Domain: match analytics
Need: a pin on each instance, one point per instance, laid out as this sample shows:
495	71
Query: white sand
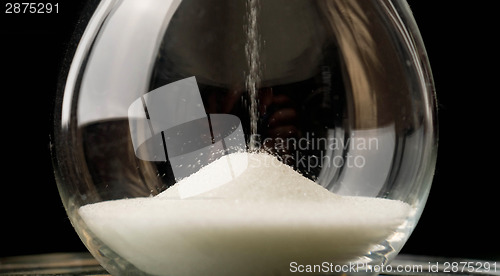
267	216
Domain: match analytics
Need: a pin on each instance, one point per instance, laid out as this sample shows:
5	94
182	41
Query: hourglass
245	137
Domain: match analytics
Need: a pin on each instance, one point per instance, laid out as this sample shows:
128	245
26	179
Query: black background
461	216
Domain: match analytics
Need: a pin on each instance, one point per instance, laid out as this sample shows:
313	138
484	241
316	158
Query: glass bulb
245	136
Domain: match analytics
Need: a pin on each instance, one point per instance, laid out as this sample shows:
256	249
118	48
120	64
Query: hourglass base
370	264
268	219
